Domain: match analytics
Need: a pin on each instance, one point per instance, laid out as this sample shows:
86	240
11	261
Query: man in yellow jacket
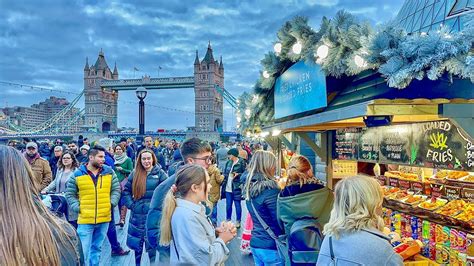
93	191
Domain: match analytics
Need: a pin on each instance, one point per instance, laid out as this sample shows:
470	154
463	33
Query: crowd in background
171	191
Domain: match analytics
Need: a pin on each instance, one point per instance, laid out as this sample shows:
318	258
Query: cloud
47	44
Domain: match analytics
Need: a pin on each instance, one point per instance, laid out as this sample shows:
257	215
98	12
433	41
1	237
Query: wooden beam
312	144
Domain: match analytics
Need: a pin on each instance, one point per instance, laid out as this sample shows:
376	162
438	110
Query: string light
276	132
247	112
277	47
359	61
296	48
322	51
265	74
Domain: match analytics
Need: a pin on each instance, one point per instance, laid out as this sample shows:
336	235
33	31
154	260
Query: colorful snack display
453	239
397	223
414	227
461	241
425	231
470	245
442	254
453	257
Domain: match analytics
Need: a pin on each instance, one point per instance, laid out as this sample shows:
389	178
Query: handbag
280	240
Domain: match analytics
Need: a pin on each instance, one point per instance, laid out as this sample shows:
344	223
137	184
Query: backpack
304	241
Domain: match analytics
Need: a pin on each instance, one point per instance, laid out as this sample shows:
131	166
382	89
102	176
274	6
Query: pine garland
398	56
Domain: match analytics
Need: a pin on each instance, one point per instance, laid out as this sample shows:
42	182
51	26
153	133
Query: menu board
441	144
437	144
395	144
346	143
343	168
369	145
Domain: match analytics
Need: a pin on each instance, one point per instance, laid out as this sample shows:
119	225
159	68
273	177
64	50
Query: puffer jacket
239	168
92	197
140	207
263	195
215	181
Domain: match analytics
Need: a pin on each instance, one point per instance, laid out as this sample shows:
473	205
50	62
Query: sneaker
121	252
237	225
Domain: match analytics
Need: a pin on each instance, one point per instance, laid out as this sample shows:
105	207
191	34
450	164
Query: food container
433	204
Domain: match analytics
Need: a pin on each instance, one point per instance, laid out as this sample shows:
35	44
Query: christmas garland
346	46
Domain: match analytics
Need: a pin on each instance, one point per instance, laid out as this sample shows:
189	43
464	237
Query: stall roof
403	111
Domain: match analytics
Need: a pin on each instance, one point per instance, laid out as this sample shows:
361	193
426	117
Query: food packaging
408	249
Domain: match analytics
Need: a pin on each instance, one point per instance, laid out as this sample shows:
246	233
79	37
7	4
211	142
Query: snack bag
470	245
453	239
414	227
462	259
425	231
433	250
461	241
442	254
433	232
453	258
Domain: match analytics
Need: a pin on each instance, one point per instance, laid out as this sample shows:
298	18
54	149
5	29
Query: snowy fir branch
345	46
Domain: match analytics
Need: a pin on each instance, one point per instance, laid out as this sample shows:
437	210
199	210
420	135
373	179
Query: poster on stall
301	88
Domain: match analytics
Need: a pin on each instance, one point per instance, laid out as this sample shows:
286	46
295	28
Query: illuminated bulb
247	112
297	48
322	51
264	134
239	119
277	47
248	134
255	99
276	132
423	33
265	74
359	61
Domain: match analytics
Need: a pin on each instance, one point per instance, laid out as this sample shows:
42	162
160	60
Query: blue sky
45	43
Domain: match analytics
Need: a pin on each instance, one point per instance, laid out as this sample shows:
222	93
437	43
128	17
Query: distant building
31	117
427	15
208	73
100	103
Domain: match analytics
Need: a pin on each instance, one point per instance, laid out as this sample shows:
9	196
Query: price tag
467	193
382	180
452	193
404	184
418	187
437	190
393	181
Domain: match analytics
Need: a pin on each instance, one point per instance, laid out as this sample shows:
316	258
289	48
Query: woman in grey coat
67	164
353	235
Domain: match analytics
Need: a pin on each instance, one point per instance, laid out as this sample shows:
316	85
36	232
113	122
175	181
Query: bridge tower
100	103
208	101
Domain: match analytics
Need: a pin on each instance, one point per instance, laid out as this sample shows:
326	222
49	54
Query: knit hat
85	147
32	144
234	152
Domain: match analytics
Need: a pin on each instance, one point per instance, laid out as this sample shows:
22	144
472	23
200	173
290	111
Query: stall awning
402	110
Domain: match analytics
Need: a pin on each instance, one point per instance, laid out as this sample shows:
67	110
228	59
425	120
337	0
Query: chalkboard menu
395	144
441	144
346	143
437	144
369	145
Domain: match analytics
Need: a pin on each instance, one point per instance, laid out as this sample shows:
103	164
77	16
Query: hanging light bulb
248	134
247	112
359	61
297	48
265	74
322	51
255	98
277	47
239	119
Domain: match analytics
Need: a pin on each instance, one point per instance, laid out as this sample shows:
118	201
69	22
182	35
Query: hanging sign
301	88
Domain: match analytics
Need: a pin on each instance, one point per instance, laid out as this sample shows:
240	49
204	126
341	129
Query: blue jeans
214	213
265	257
92	237
229	199
112	234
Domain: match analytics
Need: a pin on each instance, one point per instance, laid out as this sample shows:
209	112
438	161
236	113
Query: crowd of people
171	191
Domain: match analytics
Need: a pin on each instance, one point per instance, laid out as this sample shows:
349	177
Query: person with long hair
67	164
261	192
353	234
137	195
304	196
123	167
185	225
29	233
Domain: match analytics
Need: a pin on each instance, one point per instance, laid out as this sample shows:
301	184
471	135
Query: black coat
239	168
139	208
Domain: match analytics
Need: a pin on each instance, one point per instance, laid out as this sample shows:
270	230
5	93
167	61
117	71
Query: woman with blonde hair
304	196
356	225
185	222
137	196
29	233
261	192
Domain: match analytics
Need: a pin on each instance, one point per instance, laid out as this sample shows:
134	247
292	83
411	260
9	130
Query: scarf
31	160
120	159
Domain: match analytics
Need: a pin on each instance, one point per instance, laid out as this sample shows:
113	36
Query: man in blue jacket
194	151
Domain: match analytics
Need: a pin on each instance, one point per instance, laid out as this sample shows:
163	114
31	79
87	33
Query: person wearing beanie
83	157
231	189
40	166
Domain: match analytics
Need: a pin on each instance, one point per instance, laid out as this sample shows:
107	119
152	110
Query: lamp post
141	94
